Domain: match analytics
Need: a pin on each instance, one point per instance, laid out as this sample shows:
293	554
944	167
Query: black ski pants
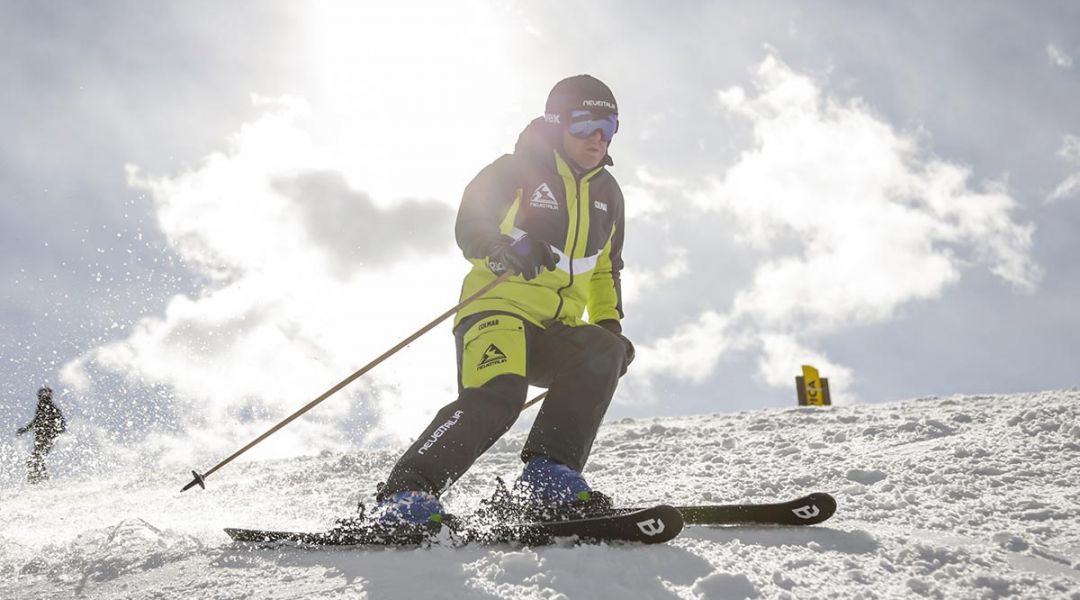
499	355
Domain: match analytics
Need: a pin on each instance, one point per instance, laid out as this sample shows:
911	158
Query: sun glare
413	99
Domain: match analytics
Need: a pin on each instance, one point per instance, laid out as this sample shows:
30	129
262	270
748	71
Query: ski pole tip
199	479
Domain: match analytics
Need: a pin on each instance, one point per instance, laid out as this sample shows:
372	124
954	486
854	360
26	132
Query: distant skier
48	424
551	214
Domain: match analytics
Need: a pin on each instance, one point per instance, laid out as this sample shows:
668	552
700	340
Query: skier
552	215
48	424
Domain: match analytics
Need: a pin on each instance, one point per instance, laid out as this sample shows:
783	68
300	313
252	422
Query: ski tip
815	508
823	497
662	523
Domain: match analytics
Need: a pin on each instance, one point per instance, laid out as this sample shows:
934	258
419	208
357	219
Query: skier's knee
502	398
607	353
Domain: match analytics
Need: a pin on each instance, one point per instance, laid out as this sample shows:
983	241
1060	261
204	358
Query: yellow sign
813	389
812	381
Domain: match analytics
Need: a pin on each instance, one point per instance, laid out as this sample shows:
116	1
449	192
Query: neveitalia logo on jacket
543	198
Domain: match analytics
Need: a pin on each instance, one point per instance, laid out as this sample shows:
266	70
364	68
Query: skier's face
586	152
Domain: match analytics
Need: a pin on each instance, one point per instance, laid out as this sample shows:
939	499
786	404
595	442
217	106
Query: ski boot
546	491
402	518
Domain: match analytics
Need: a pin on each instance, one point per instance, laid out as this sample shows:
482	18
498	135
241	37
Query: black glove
527	256
615	327
21	430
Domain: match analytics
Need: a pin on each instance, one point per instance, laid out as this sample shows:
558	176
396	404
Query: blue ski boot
402	518
416	509
549	490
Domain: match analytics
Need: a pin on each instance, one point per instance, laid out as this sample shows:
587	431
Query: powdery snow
955	497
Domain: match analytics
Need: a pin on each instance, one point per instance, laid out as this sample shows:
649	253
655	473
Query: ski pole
200	479
538	398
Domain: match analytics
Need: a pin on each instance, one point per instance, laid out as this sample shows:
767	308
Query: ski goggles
584	123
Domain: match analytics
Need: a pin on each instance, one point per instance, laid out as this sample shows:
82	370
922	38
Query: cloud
781	353
305	280
691	352
851	219
353	231
1070	186
1058	57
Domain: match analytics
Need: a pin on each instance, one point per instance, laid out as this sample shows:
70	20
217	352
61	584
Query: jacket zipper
573	247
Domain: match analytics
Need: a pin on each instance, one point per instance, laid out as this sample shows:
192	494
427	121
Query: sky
211	213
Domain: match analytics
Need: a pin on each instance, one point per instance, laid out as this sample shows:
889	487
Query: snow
945	497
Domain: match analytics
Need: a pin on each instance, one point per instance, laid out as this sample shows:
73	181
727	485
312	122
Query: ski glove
615	327
527	256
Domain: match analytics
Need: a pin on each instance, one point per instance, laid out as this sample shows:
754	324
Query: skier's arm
484	205
28	426
605	287
605	293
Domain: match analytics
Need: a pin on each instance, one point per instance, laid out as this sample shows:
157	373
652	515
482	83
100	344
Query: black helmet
44	392
580	92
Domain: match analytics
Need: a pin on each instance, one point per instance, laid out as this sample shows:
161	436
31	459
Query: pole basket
199	479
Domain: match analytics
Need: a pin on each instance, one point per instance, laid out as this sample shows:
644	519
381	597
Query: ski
806	510
333	537
652	525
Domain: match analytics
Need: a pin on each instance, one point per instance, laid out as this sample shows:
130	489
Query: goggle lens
584	123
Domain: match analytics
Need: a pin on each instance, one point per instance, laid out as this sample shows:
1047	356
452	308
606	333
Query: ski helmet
44	392
580	92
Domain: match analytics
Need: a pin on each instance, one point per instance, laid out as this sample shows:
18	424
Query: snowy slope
957	497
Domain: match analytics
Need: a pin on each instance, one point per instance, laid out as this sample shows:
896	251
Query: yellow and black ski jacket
537	191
